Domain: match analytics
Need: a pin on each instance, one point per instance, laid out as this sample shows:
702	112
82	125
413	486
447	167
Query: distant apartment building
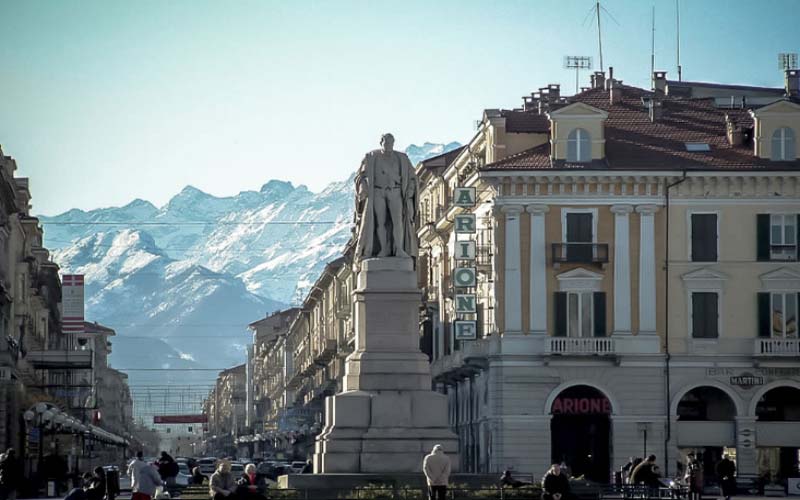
225	410
619	279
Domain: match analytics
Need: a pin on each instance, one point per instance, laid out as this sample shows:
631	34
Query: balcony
777	347
60	360
580	346
327	353
580	253
483	256
469	360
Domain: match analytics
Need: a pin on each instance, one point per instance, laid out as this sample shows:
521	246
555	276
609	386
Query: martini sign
465	276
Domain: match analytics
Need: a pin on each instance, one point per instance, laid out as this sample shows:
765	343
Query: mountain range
181	282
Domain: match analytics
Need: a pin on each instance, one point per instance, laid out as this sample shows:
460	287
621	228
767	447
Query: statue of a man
386	204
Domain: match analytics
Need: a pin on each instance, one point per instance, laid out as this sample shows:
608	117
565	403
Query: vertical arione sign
72	303
465	275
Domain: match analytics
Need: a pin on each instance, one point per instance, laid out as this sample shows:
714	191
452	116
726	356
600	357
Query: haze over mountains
180	283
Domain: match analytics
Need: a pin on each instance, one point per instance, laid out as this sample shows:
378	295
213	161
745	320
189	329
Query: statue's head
387	142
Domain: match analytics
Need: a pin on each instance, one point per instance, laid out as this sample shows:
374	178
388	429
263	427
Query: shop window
704	237
580	314
579	146
705	315
777	315
783	145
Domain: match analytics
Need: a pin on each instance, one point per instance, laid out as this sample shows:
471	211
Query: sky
105	101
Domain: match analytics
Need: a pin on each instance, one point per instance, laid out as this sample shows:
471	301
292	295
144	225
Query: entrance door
580	433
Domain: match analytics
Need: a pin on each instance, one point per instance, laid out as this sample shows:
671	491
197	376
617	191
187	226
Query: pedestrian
555	484
10	474
635	463
436	467
197	476
507	480
726	475
145	478
249	485
647	473
97	485
167	468
222	484
694	477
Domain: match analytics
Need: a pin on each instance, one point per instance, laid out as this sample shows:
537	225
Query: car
297	467
207	465
237	469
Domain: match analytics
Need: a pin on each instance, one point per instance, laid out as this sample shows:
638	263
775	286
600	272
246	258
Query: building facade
634	255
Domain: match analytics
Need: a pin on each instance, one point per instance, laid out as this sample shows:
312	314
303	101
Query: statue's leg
395	202
379	205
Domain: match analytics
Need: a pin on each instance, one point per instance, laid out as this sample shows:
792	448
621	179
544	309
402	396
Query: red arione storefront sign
581	406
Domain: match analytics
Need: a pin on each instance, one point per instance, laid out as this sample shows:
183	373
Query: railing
483	255
327	352
580	346
777	347
582	253
783	252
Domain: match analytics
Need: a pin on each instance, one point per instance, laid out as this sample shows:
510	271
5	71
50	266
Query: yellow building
634	255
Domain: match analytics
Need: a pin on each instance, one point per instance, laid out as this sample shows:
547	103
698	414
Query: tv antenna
678	40
577	63
787	61
595	10
653	50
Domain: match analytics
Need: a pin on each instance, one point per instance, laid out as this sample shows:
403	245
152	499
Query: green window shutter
762	237
560	316
764	324
599	314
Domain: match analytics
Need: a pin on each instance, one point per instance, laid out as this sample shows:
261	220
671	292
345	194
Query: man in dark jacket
647	473
726	475
10	475
555	485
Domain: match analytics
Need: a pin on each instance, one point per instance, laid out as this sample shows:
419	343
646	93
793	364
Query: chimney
793	82
660	82
592	80
614	87
554	91
598	80
656	109
610	77
733	131
530	103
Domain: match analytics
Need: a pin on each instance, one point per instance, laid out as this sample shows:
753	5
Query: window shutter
599	314
560	318
762	237
764	326
572	148
704	237
797	240
698	312
712	315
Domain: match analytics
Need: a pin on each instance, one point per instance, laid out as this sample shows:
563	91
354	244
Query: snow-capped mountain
199	269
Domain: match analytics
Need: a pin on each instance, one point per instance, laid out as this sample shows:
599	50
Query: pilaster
647	269
538	285
513	270
622	269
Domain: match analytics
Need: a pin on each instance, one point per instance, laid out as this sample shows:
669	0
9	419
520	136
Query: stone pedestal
387	418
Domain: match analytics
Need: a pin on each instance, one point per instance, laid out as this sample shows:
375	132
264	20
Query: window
579	146
783	145
580	314
704	238
705	315
783	237
697	147
778	314
579	237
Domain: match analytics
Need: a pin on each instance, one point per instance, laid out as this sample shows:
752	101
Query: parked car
237	469
184	477
297	467
207	465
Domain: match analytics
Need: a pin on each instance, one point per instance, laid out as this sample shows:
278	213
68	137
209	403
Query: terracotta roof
444	159
525	122
633	142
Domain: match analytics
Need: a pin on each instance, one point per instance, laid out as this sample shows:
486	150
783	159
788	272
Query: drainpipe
667	355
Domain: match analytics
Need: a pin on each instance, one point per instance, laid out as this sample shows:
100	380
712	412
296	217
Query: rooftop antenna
653	50
678	25
577	63
787	61
595	10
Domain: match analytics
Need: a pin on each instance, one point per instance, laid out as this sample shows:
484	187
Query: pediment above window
781	279
579	279
577	110
704	278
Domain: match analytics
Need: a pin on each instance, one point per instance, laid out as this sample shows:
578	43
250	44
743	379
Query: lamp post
41	416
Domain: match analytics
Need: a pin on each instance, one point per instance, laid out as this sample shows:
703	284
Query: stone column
746	459
647	269
622	270
538	287
512	271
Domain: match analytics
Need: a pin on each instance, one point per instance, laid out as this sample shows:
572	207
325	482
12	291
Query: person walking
694	477
167	468
555	484
436	467
10	474
145	478
726	475
222	484
249	485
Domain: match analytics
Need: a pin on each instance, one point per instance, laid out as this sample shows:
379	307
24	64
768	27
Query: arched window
579	146
783	145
